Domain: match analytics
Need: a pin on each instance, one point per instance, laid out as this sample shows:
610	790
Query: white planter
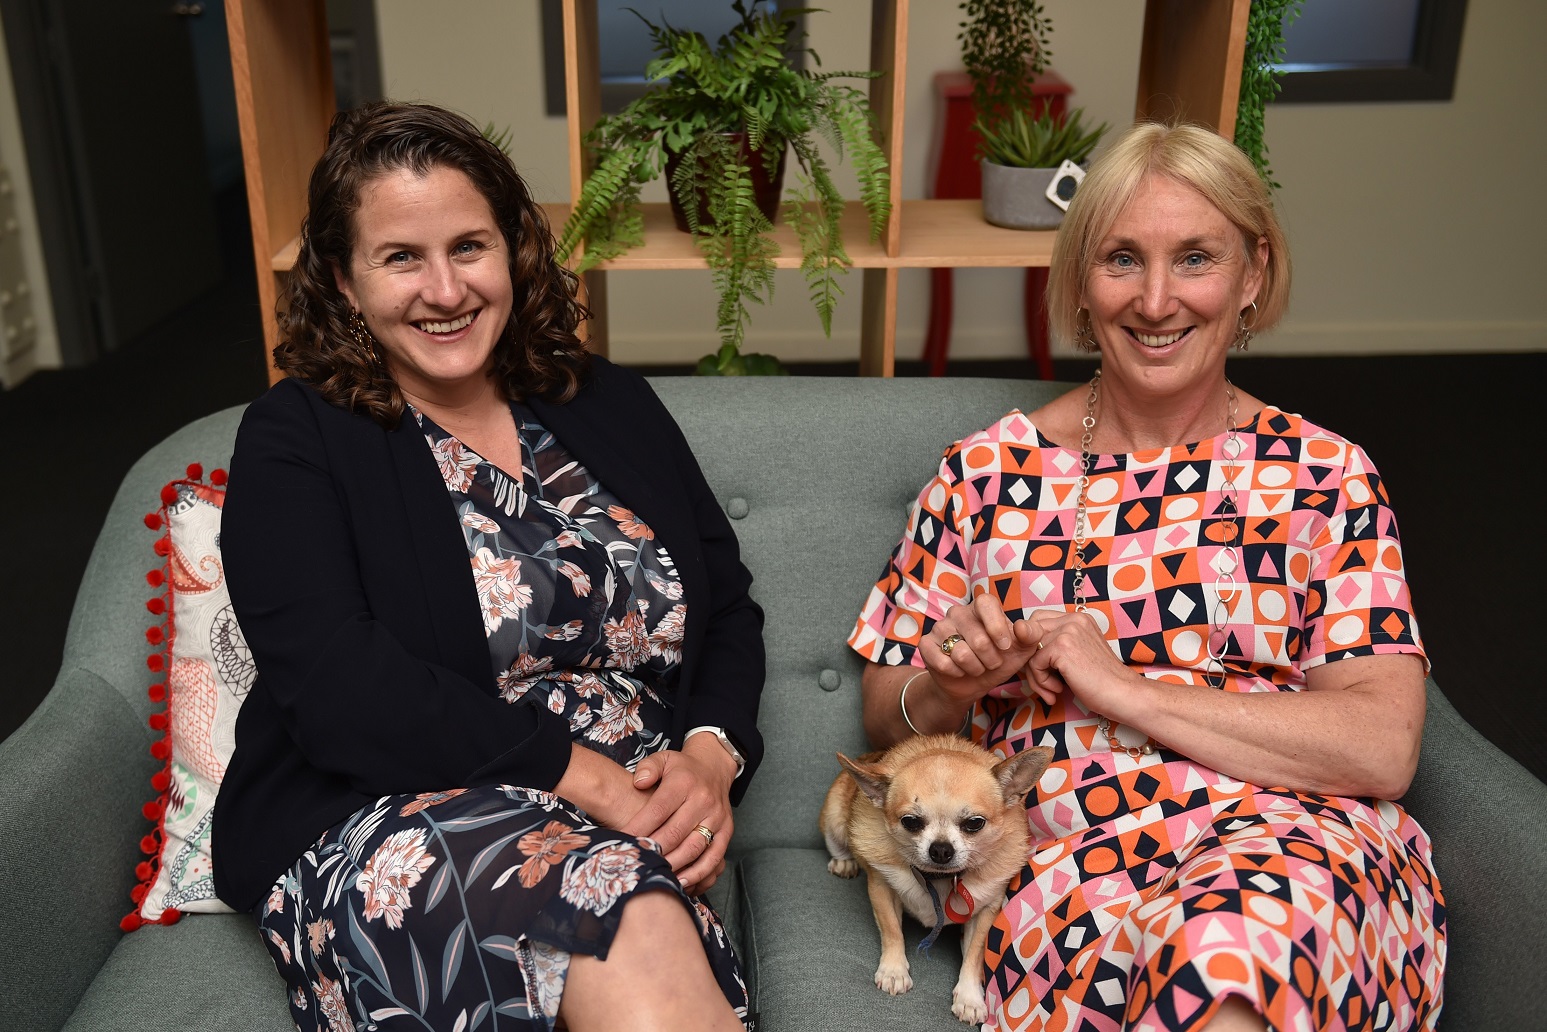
1016	198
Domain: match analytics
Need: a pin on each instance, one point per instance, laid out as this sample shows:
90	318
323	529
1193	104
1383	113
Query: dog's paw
843	868
894	980
968	1005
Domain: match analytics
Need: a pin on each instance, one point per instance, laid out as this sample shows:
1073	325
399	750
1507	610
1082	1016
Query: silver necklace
1226	563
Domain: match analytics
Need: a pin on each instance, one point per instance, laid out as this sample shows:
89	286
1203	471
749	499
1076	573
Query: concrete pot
1016	198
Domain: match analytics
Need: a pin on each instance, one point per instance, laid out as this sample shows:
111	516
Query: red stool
958	175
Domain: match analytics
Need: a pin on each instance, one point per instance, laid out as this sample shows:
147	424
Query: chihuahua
939	827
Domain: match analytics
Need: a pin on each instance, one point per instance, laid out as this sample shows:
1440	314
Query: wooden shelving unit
1189	66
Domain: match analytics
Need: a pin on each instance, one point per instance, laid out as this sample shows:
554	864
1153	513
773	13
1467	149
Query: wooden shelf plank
935	234
952	234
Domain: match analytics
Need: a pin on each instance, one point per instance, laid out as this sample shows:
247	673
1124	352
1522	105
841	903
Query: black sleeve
358	701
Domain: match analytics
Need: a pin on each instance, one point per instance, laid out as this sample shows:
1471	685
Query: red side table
958	175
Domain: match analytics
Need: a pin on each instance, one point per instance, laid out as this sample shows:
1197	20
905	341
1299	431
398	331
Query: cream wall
1413	226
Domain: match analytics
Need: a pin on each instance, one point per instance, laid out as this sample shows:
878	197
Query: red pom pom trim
162	641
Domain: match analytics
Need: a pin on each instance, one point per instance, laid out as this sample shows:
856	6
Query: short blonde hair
1201	159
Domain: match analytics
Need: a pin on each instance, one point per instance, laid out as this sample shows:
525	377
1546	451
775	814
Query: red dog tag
959	904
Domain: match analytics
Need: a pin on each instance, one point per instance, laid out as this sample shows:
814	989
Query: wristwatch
725	740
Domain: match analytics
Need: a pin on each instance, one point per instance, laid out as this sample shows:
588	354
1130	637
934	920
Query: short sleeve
926	574
1358	603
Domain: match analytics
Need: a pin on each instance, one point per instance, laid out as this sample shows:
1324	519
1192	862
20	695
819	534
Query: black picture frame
1429	75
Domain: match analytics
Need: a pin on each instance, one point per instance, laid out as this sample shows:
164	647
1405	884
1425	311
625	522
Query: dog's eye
912	824
973	825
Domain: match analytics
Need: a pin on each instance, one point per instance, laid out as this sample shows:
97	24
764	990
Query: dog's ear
872	779
1018	775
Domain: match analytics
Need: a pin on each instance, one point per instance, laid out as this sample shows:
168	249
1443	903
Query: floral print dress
459	909
1157	886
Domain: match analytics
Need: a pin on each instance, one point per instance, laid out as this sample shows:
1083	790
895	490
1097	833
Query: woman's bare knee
1236	1015
655	972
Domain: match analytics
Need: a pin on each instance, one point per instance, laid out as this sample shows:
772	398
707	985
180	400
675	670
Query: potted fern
718	119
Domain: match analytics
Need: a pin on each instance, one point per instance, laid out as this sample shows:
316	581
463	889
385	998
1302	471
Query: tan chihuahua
939	827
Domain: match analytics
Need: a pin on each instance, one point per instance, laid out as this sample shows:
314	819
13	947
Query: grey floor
1453	437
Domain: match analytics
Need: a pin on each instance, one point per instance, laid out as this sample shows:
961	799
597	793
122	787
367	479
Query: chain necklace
1226	562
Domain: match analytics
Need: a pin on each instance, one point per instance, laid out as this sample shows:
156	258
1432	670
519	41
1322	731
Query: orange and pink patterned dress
1158	886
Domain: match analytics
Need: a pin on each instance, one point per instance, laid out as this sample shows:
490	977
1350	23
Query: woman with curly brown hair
508	666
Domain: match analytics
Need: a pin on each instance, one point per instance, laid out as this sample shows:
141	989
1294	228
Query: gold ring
950	643
708	835
1040	644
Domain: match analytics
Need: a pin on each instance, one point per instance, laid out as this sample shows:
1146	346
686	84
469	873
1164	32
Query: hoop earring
1243	332
1084	332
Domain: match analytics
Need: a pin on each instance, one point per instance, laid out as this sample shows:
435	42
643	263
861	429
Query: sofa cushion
817	477
208	671
209	973
812	946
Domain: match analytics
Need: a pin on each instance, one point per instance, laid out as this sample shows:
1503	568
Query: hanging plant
1260	77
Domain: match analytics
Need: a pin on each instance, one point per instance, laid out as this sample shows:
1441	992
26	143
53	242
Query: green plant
744	83
1004	46
1022	140
1265	26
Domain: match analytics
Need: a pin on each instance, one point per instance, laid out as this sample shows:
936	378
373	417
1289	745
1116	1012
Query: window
623	42
1372	50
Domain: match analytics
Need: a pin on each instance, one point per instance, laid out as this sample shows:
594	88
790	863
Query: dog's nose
941	852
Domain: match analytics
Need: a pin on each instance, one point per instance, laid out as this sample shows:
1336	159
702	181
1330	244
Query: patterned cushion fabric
208	673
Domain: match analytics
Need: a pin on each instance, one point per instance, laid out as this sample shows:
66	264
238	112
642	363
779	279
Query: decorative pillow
209	671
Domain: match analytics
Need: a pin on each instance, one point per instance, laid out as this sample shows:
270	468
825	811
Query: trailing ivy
1265	27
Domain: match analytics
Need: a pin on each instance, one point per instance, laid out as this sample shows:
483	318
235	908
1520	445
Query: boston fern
704	97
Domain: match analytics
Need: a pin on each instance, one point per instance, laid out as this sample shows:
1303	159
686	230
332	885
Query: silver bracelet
902	702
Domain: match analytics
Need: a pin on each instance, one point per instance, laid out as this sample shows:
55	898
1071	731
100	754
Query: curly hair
1195	157
538	353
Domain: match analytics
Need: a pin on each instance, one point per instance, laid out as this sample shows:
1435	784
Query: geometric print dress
460	908
1157	886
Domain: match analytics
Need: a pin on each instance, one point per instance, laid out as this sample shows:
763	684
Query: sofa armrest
1487	817
75	776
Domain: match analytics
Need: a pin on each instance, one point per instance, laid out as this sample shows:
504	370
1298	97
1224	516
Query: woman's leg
656	975
1235	1015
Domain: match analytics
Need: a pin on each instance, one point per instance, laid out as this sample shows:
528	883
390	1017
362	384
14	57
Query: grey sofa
816	474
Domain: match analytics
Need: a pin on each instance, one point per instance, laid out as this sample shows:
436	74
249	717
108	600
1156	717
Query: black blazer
350	579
